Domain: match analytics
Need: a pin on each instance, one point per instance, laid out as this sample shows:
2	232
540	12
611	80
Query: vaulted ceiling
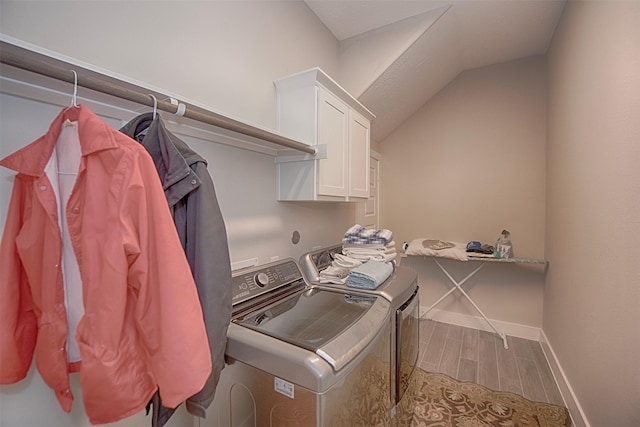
396	54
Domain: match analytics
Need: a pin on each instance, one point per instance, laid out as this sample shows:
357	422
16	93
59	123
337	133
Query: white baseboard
570	400
521	331
468	321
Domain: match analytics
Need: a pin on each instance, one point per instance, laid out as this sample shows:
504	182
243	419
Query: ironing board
457	285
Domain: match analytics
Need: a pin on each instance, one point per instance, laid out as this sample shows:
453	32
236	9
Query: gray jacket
192	199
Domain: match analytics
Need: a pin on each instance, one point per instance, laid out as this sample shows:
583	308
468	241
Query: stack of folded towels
367	259
339	269
369	244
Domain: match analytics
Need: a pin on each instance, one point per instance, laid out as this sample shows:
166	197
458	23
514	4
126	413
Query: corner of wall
475	322
578	416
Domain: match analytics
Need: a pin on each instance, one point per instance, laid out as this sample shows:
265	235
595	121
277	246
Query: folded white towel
332	281
374	257
368	251
334	272
340	260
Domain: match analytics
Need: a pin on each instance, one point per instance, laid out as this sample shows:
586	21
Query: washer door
334	325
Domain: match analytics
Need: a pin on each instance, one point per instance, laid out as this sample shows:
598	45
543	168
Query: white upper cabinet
359	128
314	109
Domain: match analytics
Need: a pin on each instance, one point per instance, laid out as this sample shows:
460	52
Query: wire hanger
155	106
74	98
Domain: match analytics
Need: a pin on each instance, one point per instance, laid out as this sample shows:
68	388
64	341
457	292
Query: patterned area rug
441	401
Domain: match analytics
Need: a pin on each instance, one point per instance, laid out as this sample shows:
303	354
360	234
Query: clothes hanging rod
38	63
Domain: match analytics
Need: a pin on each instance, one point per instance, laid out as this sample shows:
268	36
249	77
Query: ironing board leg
458	286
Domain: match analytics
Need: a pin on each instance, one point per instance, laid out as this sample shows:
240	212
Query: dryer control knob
262	279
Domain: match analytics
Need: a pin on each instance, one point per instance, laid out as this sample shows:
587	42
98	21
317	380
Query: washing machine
302	355
401	291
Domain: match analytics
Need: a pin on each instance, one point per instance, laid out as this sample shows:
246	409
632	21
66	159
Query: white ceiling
348	18
466	34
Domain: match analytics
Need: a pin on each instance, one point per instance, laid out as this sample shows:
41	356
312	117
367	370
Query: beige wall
592	294
221	54
468	164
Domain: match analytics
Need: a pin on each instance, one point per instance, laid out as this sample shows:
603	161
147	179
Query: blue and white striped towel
359	234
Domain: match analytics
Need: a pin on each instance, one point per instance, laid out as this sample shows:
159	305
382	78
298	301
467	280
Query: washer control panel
261	279
254	281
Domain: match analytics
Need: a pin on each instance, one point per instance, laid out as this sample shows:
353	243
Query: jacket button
43	187
194	182
75	210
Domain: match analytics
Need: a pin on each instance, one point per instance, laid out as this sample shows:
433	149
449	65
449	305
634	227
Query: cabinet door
333	131
359	151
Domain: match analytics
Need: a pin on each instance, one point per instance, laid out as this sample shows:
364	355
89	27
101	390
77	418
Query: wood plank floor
478	356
